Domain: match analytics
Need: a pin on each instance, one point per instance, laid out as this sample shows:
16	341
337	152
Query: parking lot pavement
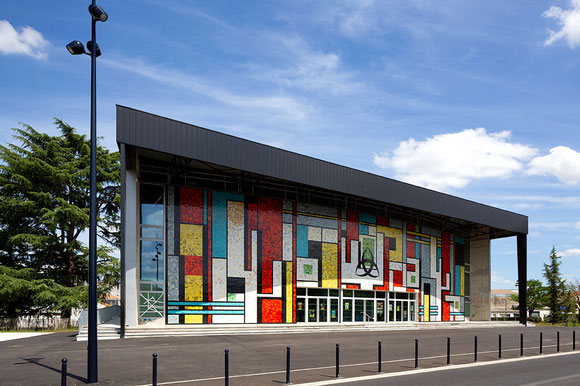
261	359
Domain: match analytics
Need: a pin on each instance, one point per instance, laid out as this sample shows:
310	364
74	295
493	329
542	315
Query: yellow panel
191	240
397	234
426	308
193	288
329	265
462	281
289	296
193	319
235	213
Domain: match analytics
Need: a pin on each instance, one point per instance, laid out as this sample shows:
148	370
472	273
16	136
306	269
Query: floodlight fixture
98	13
90	48
76	48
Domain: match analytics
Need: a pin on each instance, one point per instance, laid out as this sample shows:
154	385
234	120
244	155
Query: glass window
347	293
405	311
391	311
334	310
300	309
301	291
380	294
364	294
151	233
347	310
151	204
317	292
412	312
380	310
333	292
402	296
322	309
312	309
152	260
369	310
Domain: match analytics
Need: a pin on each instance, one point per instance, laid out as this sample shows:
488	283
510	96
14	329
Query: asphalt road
539	371
261	359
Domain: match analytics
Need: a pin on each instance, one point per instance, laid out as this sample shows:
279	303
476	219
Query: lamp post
76	48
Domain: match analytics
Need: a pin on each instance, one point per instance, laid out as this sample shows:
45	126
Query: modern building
218	229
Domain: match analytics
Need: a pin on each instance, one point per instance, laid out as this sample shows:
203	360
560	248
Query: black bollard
154	376
448	350
541	340
227	366
63	372
380	359
288	365
499	350
416	353
573	340
337	360
558	341
475	349
521	345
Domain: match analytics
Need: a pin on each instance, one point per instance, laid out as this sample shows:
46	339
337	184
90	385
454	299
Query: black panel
236	285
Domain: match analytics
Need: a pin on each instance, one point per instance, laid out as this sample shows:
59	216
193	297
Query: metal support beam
523	276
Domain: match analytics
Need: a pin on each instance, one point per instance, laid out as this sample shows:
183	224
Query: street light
76	48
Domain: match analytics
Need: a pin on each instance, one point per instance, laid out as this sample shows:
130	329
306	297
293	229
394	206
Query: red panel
351	231
191	206
385	286
410	267
353	286
398	278
252	224
444	271
410	249
194	265
209	260
382	221
271	310
270	223
411	227
410	290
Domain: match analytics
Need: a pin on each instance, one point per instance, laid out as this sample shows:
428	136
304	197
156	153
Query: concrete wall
480	290
130	252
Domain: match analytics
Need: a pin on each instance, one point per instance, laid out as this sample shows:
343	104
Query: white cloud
578	225
26	42
569	21
572	252
562	162
453	160
282	104
498	281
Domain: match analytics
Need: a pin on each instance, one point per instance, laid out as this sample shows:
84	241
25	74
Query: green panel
467	309
467	281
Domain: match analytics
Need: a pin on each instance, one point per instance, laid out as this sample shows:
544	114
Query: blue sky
474	98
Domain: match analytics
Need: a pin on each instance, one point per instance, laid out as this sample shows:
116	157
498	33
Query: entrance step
244	329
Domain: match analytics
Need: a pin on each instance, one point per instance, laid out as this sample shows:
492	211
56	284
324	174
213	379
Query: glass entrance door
369	310
359	310
391	310
380	310
398	311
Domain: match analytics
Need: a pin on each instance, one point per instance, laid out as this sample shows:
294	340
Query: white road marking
374	363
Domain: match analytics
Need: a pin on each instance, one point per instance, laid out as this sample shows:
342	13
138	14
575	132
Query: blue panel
363	229
218	304
418	251
205	312
457	280
302	241
219	218
367	218
459	240
438	257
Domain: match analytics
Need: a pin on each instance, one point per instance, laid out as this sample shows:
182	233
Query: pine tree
44	201
556	288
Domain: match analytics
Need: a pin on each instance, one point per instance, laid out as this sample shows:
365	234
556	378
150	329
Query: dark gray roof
145	130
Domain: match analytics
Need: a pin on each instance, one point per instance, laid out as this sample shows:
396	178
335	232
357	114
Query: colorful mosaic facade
234	258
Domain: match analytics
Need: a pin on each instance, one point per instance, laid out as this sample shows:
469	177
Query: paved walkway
261	359
4	336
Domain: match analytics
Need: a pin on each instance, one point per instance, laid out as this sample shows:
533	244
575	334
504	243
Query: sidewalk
5	336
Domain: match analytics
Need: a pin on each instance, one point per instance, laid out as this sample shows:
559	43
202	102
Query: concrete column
480	279
523	276
129	252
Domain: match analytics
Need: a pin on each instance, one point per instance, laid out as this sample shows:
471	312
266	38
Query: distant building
218	229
